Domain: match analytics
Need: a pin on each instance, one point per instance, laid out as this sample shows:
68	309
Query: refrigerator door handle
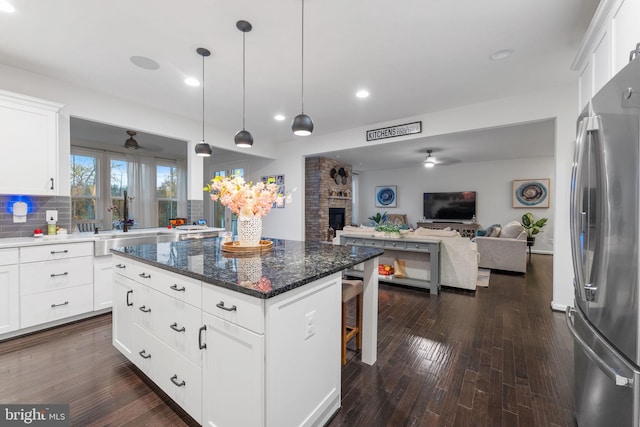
577	218
618	379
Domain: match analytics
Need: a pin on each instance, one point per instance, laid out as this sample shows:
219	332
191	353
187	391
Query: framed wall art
530	193
386	196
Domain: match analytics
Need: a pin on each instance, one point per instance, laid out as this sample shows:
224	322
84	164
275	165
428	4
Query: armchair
505	249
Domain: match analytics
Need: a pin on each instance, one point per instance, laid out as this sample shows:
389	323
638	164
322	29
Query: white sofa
505	249
458	255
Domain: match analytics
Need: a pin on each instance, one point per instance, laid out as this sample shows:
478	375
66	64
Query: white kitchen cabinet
56	282
9	291
257	362
604	51
102	282
123	310
29	126
233	375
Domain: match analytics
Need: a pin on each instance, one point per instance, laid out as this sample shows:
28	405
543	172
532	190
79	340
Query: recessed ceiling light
279	117
6	7
192	81
362	93
143	62
501	54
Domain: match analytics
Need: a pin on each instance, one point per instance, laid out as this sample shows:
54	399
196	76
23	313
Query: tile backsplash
36	217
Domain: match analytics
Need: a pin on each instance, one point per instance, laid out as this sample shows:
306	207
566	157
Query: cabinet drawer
243	310
373	243
173	373
426	247
50	275
391	244
9	256
181	288
179	326
58	251
53	305
355	242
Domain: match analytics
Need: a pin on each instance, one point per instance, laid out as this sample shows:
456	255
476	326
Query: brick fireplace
327	185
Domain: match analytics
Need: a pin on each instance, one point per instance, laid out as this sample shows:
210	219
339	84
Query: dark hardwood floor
496	357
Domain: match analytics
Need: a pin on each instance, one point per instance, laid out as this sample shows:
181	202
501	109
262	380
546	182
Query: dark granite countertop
289	265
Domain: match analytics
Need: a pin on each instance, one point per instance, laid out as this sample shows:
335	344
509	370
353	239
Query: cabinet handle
201	346
174	326
144	354
174	379
59	252
59	274
59	305
121	266
129	304
144	309
221	305
175	288
145	275
51	183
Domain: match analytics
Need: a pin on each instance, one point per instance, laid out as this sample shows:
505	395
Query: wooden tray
234	247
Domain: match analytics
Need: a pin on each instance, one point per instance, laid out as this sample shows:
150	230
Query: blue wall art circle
386	196
531	193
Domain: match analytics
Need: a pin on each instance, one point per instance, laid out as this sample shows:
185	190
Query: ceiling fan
131	143
431	161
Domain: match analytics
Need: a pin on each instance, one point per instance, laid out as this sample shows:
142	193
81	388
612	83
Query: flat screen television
450	207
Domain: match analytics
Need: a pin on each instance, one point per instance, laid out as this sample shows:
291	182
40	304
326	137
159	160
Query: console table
465	230
429	247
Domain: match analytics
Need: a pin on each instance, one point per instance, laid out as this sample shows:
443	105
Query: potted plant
532	227
389	230
379	219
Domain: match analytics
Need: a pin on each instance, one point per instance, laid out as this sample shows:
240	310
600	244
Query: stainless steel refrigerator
605	232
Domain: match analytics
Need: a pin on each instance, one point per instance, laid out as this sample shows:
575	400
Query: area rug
483	277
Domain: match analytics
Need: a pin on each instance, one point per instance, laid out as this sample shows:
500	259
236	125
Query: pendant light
202	148
302	124
429	162
243	138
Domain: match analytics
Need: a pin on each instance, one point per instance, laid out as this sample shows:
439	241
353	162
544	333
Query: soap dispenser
52	219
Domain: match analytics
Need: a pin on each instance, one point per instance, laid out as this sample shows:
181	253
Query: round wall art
386	196
531	193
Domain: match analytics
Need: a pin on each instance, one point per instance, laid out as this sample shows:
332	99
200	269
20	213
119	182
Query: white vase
249	230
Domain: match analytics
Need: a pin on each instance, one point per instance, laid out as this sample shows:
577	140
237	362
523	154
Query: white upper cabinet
29	141
604	51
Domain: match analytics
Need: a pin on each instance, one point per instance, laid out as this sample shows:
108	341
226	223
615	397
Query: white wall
491	181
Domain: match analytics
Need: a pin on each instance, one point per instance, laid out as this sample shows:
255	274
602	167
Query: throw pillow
496	232
490	231
511	230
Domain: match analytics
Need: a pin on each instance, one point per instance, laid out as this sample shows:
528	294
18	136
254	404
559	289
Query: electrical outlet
309	324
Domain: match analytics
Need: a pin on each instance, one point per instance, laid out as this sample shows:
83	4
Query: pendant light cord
302	62
203	98
243	77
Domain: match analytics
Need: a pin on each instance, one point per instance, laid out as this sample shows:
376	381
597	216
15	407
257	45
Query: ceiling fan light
203	149
429	164
131	144
302	125
243	139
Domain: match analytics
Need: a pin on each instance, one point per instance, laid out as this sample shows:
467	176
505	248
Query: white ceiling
414	56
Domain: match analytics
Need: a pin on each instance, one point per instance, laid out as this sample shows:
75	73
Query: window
221	215
84	173
119	184
166	193
99	180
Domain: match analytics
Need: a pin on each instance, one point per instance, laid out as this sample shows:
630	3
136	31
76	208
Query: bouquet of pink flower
244	199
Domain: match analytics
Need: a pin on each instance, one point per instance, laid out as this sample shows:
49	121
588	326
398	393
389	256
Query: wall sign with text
393	131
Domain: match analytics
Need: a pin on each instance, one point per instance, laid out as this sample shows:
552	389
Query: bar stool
351	289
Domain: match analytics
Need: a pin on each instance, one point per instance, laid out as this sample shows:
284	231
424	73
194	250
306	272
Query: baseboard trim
558	307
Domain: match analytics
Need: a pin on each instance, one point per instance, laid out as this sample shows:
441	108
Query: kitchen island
241	340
